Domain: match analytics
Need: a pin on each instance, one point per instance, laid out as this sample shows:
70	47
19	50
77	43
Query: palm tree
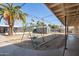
10	13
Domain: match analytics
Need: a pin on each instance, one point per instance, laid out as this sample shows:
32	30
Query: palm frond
9	4
15	12
1	18
4	6
1	11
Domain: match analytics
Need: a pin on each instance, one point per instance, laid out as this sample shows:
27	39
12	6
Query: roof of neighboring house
8	26
70	10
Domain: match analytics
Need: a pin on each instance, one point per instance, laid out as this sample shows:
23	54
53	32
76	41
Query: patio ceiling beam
57	4
72	20
67	14
67	11
64	14
58	10
53	5
77	17
74	5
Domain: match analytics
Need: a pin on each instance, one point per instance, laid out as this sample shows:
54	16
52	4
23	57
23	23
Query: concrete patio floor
9	49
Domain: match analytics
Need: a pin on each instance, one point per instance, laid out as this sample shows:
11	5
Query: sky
36	11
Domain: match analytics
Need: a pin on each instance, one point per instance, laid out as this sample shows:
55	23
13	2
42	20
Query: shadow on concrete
54	41
52	48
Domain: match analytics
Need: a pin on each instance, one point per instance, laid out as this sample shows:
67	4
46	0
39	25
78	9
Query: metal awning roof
70	10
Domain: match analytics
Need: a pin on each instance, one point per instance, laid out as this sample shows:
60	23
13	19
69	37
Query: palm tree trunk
10	30
23	35
11	24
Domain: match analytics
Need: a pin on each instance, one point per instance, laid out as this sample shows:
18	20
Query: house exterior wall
16	29
44	30
3	29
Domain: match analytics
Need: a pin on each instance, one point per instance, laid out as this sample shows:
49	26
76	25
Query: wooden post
66	27
66	35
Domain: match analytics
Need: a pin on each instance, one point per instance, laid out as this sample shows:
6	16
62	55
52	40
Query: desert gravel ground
9	46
